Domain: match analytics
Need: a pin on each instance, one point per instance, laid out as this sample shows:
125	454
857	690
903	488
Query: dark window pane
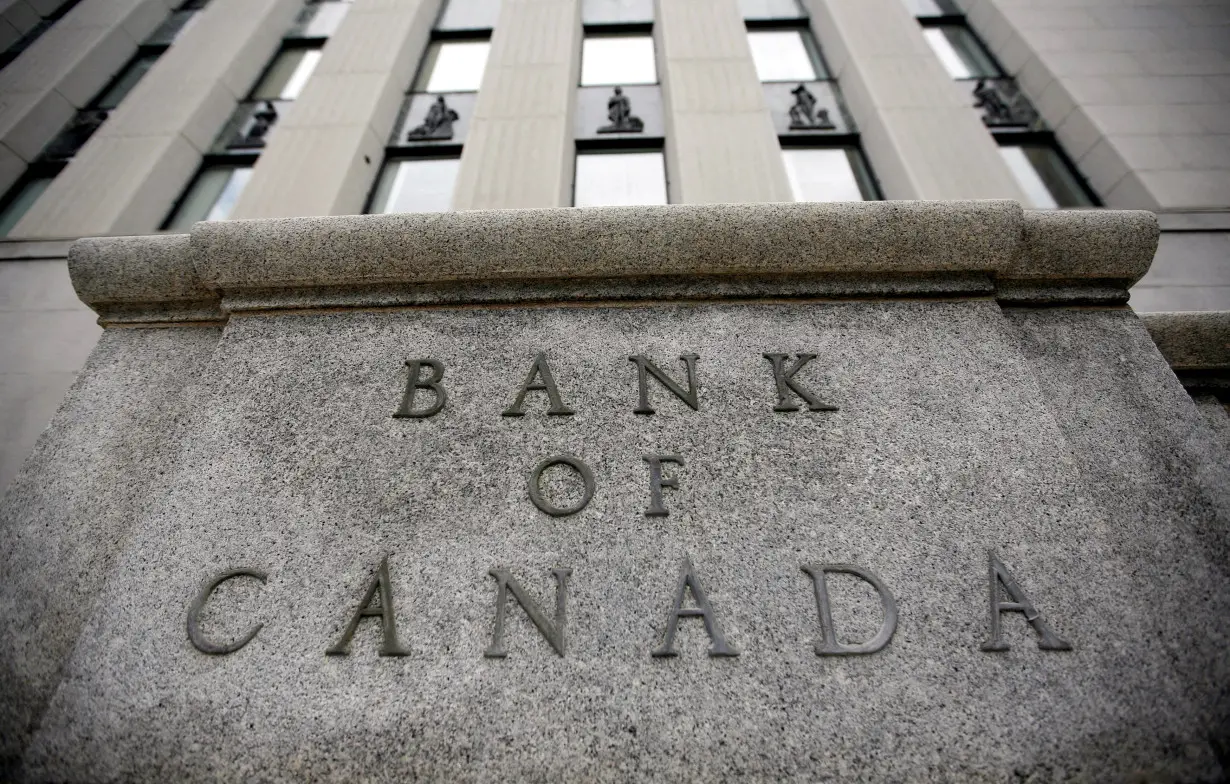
127	80
171	29
932	7
211	196
27	193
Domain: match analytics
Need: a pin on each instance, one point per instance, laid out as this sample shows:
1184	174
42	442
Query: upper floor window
468	15
829	174
287	74
19	201
759	10
932	7
960	52
619	178
416	185
602	12
618	60
453	67
212	195
1044	175
786	56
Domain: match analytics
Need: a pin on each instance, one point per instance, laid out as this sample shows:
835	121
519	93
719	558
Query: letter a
1020	603
390	646
687	580
539	368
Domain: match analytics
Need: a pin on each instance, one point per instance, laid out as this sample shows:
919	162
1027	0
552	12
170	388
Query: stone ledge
1036	257
1192	341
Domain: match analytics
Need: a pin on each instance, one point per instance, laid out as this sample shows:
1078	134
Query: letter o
575	464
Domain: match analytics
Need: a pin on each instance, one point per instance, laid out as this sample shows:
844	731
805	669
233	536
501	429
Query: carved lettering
645	368
384	611
688	581
415	383
539	368
828	645
535	485
999	575
657	482
195	636
552	632
784	379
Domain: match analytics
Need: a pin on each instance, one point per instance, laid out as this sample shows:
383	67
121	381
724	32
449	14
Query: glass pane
22	203
822	174
963	57
619	60
932	7
123	85
469	15
782	56
620	179
320	20
1047	181
211	196
771	9
172	28
286	77
453	67
616	11
420	185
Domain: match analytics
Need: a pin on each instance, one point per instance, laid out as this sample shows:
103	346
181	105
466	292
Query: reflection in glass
784	56
453	67
771	9
285	78
21	203
416	185
616	11
932	7
211	196
618	60
127	80
620	179
320	20
1045	177
827	174
469	15
963	57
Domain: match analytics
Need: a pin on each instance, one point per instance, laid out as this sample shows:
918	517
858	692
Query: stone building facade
134	116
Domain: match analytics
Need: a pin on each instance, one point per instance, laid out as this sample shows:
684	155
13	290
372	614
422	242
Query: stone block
11	168
28	121
1131	193
165	105
1192	341
387	42
19	17
1187	189
1103	166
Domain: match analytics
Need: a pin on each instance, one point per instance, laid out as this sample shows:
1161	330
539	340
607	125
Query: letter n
552	632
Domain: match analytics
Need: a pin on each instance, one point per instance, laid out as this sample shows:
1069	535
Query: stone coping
1192	340
570	253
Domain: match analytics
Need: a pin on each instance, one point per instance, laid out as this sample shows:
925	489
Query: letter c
194	614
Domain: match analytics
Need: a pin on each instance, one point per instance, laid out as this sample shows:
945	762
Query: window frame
620	147
398	154
422	78
612	31
864	174
1047	139
960	22
810	46
235	161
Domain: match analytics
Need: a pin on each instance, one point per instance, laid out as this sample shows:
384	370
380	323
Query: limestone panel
720	142
29	120
11	168
519	151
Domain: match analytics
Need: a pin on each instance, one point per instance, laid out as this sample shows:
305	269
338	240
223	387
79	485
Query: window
932	7
960	52
468	15
285	77
618	60
600	12
416	185
829	174
123	84
623	178
319	20
21	199
1045	176
771	9
453	67
211	196
785	56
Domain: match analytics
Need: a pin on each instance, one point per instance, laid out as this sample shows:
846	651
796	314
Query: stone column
519	151
325	153
63	70
127	177
720	142
918	129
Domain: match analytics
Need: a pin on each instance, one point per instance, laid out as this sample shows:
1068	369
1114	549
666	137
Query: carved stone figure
262	120
805	115
438	124
1001	104
619	111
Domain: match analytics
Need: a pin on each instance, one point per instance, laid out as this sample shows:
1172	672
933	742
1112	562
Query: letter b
415	383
